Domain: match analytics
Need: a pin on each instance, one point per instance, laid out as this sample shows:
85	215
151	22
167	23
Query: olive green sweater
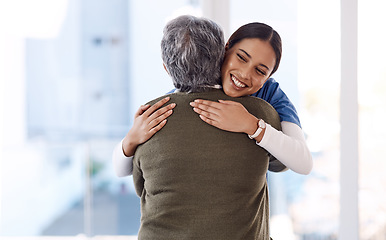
199	182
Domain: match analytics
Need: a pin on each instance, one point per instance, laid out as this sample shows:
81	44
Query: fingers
209	109
207	114
209	121
213	106
146	127
206	103
159	116
229	102
156	106
141	110
214	122
158	127
152	112
150	116
162	110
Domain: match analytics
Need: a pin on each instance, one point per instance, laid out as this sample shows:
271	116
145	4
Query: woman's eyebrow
264	66
245	52
251	57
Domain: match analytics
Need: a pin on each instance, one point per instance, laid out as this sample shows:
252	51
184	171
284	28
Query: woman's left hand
226	115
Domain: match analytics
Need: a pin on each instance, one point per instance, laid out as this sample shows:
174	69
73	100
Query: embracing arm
147	121
123	165
289	146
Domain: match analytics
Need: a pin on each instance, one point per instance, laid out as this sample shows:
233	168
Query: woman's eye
241	57
260	71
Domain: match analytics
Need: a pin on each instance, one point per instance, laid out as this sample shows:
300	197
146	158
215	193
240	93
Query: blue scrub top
272	93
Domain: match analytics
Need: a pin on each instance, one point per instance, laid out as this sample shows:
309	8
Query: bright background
73	72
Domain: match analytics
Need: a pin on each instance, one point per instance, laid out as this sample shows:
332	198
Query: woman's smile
237	82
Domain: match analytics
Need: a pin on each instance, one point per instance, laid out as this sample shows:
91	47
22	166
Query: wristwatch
259	129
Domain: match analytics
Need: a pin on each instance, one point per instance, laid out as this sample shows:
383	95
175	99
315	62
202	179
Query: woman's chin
232	92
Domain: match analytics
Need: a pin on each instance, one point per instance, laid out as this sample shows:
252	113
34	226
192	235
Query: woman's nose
246	74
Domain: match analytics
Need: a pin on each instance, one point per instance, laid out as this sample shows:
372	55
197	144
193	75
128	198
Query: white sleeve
288	146
123	165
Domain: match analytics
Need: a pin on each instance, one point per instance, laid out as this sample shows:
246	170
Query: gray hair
193	50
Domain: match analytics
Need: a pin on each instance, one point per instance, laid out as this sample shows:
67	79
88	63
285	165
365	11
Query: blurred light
186	10
33	18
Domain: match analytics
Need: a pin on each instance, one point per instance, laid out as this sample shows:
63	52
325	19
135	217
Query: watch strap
258	131
261	126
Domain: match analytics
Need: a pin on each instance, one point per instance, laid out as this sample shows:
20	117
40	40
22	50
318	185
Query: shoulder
270	91
153	101
274	95
271	83
181	98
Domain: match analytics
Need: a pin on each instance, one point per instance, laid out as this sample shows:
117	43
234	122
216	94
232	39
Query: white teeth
237	82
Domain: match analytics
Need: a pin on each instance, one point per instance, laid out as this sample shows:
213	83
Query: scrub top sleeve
274	95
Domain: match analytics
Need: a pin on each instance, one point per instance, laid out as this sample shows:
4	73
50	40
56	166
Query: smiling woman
253	54
247	66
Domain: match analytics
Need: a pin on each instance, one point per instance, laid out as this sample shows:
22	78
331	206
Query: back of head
261	31
192	50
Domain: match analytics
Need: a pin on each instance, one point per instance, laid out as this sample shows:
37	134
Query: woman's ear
226	49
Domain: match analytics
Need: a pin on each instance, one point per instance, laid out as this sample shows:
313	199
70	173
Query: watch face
261	123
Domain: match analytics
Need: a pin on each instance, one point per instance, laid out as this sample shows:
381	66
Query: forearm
123	165
148	120
289	147
128	145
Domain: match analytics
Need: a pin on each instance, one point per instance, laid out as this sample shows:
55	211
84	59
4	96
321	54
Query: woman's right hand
147	121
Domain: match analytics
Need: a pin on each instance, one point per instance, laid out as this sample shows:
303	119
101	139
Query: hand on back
226	115
147	121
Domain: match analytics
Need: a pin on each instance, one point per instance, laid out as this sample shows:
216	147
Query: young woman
253	54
